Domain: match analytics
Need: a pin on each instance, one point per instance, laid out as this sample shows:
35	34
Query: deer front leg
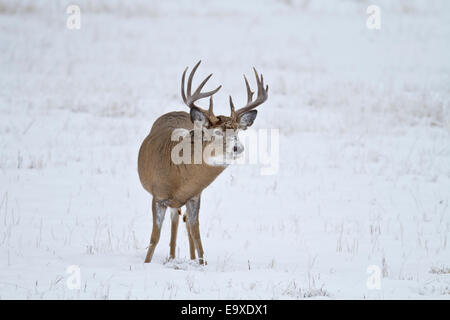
192	223
175	217
158	210
191	242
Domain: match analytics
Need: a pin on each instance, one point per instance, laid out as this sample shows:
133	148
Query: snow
364	172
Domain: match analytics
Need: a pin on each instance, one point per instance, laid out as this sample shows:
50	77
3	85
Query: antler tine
183	95
191	76
233	113
208	93
210	109
189	99
200	87
249	91
257	78
260	98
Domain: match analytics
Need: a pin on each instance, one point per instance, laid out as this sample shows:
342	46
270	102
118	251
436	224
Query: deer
176	185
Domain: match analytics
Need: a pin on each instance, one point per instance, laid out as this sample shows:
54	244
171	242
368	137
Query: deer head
222	129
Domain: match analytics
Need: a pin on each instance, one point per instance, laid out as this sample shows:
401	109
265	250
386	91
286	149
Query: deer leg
192	222
175	217
158	210
198	242
191	243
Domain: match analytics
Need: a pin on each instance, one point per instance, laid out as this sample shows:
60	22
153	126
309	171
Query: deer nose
238	149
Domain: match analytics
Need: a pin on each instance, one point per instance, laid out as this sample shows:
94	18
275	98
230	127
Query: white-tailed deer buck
175	185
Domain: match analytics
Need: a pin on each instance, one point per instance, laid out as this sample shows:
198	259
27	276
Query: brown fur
172	183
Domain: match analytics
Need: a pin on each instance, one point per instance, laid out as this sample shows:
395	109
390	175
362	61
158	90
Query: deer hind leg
192	223
191	241
175	217
158	210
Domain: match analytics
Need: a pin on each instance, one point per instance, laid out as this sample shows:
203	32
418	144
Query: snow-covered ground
364	172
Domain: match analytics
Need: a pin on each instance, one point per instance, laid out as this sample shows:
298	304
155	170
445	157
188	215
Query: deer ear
246	120
197	115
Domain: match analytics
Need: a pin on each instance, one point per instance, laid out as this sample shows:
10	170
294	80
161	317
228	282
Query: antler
189	99
260	98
